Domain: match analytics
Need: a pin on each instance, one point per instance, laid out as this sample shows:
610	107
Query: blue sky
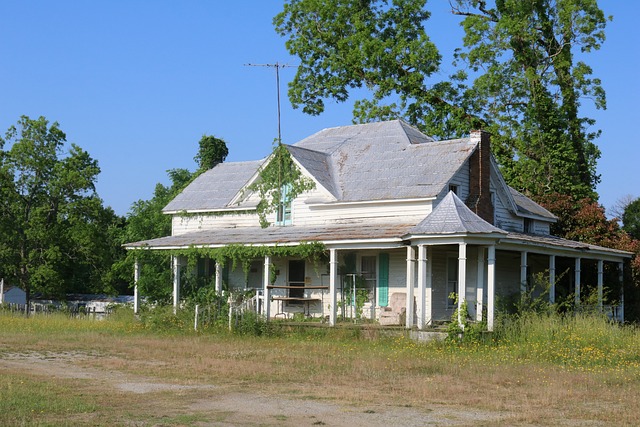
137	83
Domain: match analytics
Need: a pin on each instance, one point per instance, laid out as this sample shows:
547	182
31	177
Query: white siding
181	224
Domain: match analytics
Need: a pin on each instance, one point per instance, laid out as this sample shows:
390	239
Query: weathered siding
181	224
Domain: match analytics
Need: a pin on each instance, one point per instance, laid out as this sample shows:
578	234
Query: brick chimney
479	200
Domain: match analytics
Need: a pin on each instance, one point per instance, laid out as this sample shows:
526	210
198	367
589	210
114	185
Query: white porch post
176	282
600	283
422	284
428	313
265	285
480	285
136	294
621	281
577	272
491	285
462	279
411	255
523	273
218	278
552	279
333	280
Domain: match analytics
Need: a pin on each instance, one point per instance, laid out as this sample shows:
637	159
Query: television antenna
277	67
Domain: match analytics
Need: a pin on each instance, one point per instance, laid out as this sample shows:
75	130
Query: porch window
283	216
452	281
368	272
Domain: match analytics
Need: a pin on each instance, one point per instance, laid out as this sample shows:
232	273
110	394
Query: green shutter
383	279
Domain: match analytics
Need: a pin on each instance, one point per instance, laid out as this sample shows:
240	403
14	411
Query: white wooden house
408	219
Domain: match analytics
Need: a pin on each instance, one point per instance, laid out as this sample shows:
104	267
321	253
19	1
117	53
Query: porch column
577	272
265	286
218	278
480	285
333	280
422	284
462	279
491	285
136	278
176	282
552	279
411	255
600	283
523	273
428	312
621	281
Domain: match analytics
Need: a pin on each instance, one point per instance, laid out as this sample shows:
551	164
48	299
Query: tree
211	151
55	232
378	45
146	221
516	77
631	219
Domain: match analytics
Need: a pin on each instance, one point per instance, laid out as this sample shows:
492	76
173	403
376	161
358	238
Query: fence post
195	324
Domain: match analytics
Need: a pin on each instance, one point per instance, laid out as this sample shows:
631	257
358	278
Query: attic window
283	216
454	188
528	225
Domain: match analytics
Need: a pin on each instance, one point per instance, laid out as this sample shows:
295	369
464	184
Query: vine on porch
244	254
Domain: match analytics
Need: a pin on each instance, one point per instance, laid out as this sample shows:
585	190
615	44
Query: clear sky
137	83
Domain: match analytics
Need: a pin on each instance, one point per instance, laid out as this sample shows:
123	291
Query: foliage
146	221
516	77
462	328
55	235
528	86
211	152
631	219
278	172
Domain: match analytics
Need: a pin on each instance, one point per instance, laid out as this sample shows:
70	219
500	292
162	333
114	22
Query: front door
296	278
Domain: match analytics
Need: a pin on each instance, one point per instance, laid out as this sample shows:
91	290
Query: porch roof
452	216
554	242
275	235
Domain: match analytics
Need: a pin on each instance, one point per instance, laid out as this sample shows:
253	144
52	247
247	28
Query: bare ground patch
226	405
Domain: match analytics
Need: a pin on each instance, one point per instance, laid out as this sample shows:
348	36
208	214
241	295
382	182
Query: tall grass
584	341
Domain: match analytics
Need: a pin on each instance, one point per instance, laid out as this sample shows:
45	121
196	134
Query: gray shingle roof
215	188
452	216
374	161
387	160
526	206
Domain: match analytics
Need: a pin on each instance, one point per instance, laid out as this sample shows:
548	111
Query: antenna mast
277	66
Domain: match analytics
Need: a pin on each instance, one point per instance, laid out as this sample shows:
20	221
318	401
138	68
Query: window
283	215
452	281
368	272
454	188
528	225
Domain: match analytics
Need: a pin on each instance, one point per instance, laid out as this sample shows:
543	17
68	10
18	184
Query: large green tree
515	76
211	151
55	235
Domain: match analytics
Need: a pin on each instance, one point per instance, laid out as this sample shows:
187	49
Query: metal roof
452	216
526	206
276	235
387	160
215	188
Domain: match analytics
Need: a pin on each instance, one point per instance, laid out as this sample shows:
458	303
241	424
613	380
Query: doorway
296	278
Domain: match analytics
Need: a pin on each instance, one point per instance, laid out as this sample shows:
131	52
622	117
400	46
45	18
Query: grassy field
544	371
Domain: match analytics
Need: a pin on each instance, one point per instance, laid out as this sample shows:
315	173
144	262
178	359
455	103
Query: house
411	228
12	294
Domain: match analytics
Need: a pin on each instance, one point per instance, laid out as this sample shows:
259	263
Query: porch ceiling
277	235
